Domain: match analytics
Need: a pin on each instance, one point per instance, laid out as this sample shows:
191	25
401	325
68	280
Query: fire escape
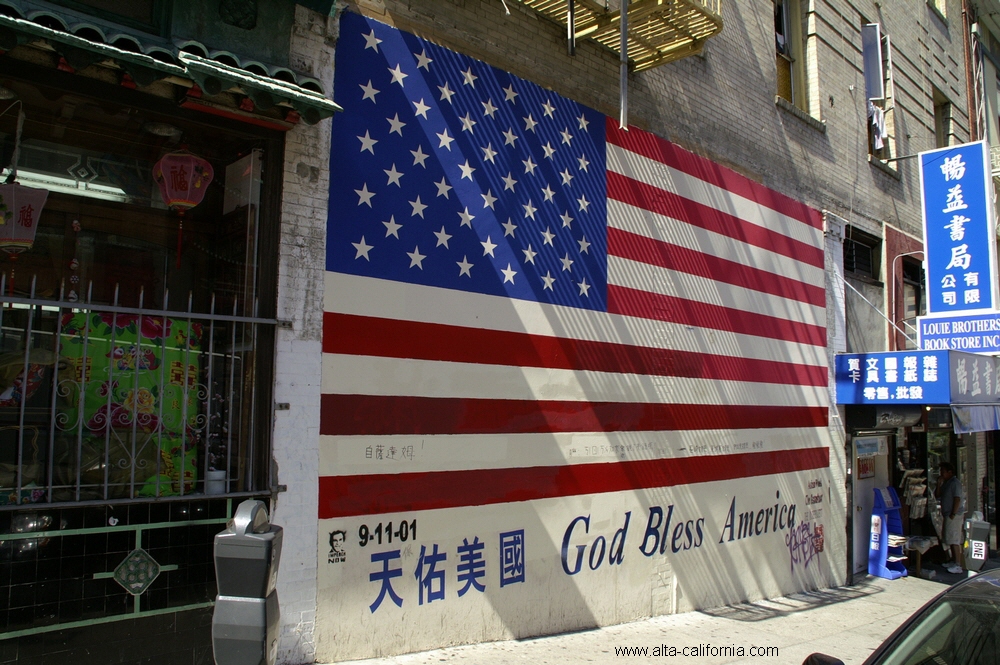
658	31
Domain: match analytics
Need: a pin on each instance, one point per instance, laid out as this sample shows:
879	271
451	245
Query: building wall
836	325
349	624
300	302
720	105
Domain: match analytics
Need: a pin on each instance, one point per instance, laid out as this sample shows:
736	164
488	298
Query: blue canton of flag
447	172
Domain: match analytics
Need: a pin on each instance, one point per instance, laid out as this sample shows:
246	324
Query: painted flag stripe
661	150
665	255
372	336
627	218
370	375
661	176
384	298
349	455
645	224
392	414
639	194
346	496
646	305
625	273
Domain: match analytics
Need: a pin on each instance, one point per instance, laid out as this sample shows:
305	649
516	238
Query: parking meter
977	543
245	620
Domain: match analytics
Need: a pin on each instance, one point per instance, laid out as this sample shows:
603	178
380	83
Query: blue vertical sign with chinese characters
959	228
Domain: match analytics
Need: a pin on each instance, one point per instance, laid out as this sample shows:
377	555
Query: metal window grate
108	402
858	258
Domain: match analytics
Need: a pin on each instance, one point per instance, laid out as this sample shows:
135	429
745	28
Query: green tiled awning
81	53
214	77
211	76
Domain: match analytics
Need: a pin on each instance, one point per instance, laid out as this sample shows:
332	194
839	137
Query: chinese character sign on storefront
914	377
959	228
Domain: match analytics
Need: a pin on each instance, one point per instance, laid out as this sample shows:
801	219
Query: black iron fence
112	403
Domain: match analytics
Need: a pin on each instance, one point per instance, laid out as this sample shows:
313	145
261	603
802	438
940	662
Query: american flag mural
526	303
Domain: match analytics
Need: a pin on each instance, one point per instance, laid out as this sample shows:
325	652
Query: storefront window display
990	484
938	450
132	341
916	477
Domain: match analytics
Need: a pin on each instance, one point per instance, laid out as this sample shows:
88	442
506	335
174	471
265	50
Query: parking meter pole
245	620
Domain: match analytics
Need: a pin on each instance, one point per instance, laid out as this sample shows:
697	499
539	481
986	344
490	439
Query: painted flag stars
444	140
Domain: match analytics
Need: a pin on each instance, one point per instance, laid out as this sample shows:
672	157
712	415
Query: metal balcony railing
659	31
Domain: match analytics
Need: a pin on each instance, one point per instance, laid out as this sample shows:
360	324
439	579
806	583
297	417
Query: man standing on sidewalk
949	492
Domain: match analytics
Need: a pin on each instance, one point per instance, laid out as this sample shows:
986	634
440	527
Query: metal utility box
245	621
977	543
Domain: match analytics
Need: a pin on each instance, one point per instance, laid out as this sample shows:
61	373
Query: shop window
134	362
862	252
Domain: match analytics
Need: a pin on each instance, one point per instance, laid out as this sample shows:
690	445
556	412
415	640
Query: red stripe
369	336
346	496
673	257
658	149
642	304
659	201
348	415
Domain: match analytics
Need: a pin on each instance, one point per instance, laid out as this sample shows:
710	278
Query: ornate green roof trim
212	77
80	52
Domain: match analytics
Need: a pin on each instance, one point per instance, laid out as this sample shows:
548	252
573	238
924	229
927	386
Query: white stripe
667	229
644	277
365	296
364	455
667	178
371	375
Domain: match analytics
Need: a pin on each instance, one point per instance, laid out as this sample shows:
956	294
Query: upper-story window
788	52
914	298
940	6
862	253
879	91
942	119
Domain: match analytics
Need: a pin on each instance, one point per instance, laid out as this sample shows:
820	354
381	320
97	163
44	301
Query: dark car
960	626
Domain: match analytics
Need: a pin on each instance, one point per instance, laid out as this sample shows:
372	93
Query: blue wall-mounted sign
917	377
903	377
974	333
973	379
959	228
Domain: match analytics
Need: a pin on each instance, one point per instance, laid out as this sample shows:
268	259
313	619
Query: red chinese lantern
20	208
183	178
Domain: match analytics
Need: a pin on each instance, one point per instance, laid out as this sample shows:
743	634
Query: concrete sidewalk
847	622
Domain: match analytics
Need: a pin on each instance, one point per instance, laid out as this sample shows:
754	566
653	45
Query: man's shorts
953	530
